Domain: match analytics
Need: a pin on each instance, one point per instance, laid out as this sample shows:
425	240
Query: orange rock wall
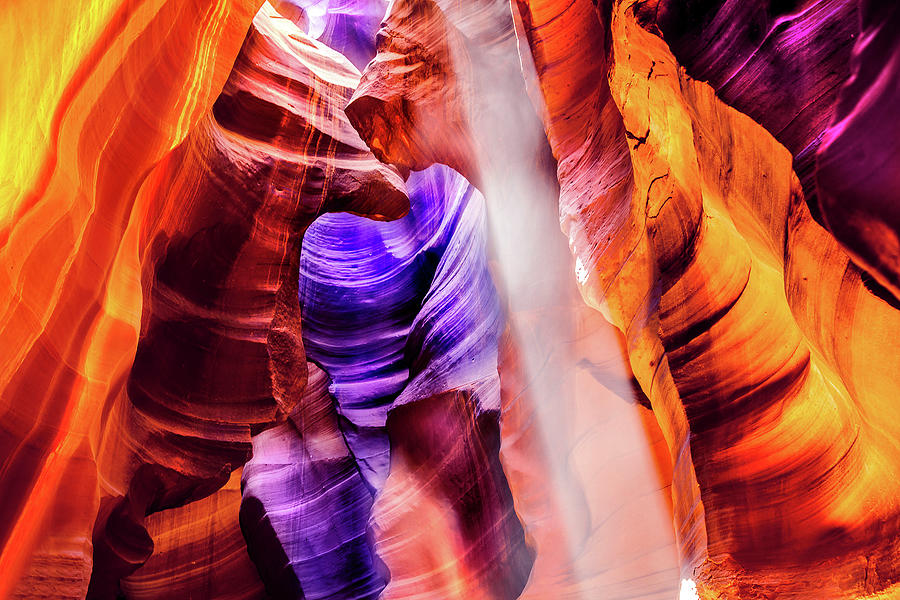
161	165
101	92
740	314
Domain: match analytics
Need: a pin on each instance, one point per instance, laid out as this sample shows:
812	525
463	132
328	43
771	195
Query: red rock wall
162	165
101	93
744	320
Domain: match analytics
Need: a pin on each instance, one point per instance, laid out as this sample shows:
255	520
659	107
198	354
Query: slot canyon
450	299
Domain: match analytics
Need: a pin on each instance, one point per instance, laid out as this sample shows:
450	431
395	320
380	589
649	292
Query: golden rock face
87	114
790	463
203	239
163	164
743	317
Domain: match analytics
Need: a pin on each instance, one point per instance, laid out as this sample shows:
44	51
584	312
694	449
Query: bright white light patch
581	271
688	590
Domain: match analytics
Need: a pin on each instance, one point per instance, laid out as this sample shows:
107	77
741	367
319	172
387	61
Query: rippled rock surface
691	233
93	96
491	299
747	363
220	353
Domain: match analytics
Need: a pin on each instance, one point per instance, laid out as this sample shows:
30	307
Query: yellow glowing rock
97	93
766	359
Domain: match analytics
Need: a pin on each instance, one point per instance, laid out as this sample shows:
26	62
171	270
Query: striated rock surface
699	392
386	315
92	95
362	284
220	354
198	552
744	352
858	179
305	506
800	515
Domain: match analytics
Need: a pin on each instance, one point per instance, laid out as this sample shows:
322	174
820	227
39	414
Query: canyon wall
490	299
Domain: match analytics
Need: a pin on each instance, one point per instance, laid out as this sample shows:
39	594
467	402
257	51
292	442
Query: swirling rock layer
405	318
454	417
220	353
691	233
198	552
93	96
362	284
741	360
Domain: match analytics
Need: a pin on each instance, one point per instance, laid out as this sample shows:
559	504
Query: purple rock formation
400	313
781	62
362	284
305	507
858	168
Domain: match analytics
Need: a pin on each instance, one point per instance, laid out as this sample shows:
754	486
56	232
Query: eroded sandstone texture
488	299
